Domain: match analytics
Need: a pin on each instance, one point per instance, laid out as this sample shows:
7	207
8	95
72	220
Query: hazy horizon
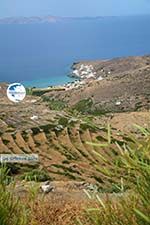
86	16
78	8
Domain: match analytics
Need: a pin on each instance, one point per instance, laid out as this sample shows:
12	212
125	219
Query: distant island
40	19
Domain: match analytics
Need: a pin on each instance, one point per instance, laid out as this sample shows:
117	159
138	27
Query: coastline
85	72
80	74
46	82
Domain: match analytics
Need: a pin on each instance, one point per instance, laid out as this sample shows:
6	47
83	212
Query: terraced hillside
61	139
62	149
64	153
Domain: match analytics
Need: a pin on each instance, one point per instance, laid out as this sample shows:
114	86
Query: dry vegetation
126	80
127	207
97	161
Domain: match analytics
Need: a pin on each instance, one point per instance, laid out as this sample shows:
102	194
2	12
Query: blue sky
73	7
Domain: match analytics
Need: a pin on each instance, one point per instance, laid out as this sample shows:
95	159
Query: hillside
59	133
44	19
117	85
80	132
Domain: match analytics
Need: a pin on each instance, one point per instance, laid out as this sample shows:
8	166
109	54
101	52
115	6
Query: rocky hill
42	20
117	85
29	20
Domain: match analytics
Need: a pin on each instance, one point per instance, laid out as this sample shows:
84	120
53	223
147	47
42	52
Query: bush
83	106
55	104
63	121
131	207
12	212
29	91
36	175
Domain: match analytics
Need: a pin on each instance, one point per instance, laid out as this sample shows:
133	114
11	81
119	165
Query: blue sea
42	54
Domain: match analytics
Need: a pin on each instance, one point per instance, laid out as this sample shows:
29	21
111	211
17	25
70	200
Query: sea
41	55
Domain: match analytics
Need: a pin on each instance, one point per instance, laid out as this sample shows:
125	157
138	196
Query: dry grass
58	213
126	208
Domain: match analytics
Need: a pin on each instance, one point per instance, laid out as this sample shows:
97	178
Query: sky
74	8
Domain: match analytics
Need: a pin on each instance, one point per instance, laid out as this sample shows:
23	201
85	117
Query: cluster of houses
74	84
84	74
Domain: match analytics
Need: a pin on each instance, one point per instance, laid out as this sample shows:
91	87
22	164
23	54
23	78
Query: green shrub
36	175
12	168
83	106
63	121
29	91
65	162
12	212
131	207
55	104
35	130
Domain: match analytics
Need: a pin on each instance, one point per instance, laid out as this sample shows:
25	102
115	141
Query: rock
91	187
34	117
118	103
46	187
100	78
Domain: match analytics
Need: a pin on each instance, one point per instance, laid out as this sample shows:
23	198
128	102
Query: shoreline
81	73
84	72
